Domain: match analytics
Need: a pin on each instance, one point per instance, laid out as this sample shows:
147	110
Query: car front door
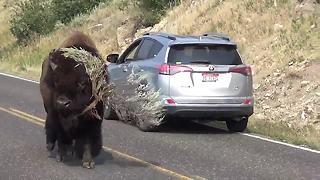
144	63
119	71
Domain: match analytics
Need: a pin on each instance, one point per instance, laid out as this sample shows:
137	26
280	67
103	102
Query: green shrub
34	17
31	18
66	10
154	9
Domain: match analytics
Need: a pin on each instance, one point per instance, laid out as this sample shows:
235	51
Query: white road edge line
16	77
279	142
245	134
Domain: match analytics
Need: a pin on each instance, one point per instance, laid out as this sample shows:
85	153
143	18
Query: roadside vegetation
279	38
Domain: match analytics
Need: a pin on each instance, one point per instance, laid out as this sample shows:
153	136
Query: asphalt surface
189	150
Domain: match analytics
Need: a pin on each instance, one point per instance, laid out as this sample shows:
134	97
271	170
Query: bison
66	91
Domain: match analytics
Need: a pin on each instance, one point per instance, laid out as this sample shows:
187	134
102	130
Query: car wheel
237	126
109	113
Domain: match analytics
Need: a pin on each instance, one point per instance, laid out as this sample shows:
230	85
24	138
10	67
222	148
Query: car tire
109	112
237	126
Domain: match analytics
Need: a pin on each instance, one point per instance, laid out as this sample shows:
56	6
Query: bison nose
64	102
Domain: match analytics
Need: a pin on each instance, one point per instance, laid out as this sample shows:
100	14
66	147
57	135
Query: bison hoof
59	157
50	146
88	164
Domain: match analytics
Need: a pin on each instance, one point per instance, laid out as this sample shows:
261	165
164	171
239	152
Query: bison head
72	89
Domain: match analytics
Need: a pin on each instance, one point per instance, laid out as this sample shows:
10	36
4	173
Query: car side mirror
112	58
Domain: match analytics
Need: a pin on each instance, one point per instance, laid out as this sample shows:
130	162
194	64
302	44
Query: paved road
190	151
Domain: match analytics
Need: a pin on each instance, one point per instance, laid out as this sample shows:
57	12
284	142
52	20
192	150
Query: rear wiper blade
200	62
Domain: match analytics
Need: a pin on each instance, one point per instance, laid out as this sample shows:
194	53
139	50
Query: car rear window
204	54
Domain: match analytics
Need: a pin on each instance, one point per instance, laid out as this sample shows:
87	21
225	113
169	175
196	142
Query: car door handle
124	67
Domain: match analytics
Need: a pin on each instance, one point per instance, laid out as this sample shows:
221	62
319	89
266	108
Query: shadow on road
104	158
190	127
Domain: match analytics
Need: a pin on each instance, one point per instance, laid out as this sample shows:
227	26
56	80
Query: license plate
210	77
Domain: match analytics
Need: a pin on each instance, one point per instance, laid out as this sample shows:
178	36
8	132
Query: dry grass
306	136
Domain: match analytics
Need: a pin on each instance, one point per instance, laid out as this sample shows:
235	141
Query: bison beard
66	91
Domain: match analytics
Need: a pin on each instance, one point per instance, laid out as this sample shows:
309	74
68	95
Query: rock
304	83
266	107
303	116
312	26
267	95
308	110
256	86
290	63
278	27
276	74
260	116
96	27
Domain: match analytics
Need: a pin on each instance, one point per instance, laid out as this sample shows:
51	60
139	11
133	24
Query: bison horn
53	65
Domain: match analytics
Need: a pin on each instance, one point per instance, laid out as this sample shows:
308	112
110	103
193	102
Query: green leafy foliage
30	18
33	17
64	11
155	9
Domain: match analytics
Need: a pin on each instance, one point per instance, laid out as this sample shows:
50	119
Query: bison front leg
51	128
65	147
88	148
87	159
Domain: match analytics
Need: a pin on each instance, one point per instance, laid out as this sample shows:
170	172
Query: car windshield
204	54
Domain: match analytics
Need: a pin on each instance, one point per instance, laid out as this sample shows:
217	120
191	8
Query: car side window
155	49
130	53
148	49
145	49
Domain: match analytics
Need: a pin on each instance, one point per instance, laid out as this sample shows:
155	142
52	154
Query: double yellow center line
40	122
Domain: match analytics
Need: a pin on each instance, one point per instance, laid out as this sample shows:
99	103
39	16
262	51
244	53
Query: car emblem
211	67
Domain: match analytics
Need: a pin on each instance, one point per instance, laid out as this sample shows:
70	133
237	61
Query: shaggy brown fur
66	90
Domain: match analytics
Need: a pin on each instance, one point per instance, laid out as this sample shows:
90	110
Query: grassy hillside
279	38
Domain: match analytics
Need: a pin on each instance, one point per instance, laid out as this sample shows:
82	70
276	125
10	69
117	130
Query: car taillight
173	69
245	70
170	101
247	101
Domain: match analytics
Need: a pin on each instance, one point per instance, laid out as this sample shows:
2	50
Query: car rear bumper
213	111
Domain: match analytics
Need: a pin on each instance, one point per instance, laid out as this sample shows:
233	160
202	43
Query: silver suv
199	77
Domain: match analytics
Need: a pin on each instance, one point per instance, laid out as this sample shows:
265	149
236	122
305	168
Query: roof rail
169	36
217	35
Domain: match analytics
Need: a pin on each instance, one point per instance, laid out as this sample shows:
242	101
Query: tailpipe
243	118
